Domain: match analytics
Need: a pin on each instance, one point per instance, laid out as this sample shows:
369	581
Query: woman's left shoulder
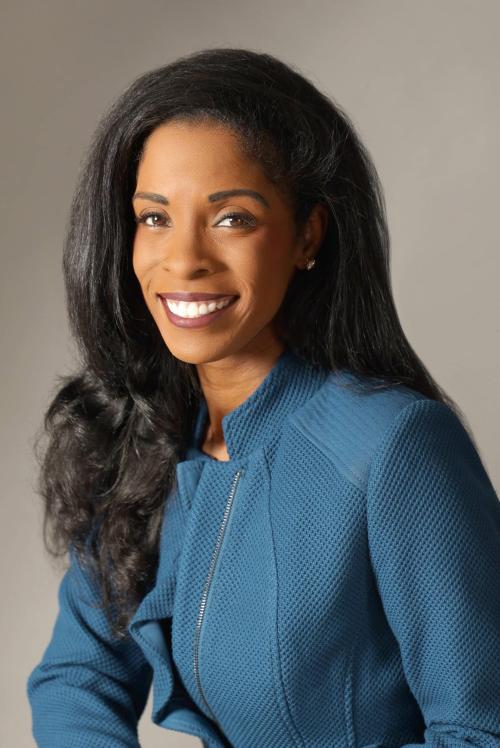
347	418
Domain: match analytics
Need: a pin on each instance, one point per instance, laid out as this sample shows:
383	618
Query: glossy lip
187	296
203	321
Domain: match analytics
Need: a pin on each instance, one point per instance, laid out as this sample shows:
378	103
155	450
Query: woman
273	513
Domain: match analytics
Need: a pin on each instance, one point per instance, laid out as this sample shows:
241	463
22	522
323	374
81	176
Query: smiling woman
196	249
273	513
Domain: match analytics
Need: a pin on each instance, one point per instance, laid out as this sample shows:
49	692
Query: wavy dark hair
116	428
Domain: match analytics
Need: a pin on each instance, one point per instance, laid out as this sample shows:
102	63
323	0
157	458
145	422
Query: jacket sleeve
434	539
89	690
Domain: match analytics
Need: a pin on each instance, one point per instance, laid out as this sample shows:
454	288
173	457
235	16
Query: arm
89	690
434	538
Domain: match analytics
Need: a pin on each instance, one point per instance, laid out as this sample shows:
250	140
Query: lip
187	296
203	321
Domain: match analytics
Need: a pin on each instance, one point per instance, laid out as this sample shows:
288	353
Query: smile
196	314
197	308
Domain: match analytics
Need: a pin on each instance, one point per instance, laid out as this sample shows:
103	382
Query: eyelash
142	218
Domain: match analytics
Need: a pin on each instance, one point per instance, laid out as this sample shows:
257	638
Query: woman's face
186	241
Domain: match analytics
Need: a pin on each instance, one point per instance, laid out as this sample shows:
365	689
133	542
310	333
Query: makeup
201	321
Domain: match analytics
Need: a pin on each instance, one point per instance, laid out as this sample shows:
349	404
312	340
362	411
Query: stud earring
310	264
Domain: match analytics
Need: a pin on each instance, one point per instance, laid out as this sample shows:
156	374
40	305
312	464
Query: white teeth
197	309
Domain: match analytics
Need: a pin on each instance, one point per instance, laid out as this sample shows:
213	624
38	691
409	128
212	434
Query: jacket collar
259	419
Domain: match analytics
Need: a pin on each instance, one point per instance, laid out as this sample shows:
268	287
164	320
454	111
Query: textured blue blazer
335	584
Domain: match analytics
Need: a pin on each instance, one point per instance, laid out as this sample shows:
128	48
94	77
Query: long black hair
116	428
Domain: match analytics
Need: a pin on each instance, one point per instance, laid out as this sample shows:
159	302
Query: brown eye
242	217
155	217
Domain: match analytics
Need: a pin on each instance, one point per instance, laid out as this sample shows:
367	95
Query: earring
310	264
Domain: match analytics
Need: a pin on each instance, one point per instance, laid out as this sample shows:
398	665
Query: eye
247	221
157	219
143	218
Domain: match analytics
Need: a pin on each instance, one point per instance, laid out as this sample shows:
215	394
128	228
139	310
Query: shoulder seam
299	428
302	429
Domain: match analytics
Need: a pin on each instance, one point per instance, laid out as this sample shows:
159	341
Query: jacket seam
292	727
348	713
385	431
348	691
328	456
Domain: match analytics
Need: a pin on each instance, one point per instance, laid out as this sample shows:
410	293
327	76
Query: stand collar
257	420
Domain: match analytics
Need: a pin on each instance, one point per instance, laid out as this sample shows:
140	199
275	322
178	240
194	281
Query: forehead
198	150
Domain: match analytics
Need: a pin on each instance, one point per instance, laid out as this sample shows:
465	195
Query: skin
189	246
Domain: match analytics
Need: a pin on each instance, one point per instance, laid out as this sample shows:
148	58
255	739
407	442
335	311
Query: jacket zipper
206	587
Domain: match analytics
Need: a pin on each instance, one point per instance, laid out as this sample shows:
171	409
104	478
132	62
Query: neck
228	383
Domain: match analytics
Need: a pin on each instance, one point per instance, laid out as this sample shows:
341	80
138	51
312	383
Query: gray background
420	80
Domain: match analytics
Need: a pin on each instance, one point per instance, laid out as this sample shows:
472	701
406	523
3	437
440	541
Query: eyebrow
214	197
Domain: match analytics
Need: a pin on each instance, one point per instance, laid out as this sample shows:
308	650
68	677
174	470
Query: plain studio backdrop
419	79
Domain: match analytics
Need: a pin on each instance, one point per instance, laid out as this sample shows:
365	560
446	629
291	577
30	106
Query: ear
312	234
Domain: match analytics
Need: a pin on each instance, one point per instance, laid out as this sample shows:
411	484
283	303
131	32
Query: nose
188	252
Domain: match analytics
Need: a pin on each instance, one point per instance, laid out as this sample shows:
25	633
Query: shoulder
347	418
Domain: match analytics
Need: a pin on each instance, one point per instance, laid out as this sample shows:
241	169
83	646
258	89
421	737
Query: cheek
271	271
264	285
137	261
142	264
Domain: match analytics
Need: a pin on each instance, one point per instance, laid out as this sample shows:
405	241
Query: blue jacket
334	584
